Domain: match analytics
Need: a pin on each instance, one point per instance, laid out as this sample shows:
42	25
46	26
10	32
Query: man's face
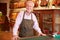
29	7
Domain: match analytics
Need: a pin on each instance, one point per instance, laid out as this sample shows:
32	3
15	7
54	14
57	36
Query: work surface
37	38
5	36
8	36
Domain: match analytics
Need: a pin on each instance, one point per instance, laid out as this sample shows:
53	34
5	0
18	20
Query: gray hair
30	2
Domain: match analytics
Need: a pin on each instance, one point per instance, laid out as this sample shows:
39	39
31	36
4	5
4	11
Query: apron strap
23	14
31	17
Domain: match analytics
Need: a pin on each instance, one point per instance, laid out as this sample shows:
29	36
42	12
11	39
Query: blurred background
46	11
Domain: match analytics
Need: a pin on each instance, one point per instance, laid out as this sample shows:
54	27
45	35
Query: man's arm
36	25
17	23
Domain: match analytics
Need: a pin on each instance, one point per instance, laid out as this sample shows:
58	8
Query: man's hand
41	34
15	37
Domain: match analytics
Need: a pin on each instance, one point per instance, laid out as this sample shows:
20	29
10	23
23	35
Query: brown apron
26	27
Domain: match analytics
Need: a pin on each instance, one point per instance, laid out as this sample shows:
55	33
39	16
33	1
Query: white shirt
19	20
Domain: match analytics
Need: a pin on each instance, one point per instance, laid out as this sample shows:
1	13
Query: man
26	21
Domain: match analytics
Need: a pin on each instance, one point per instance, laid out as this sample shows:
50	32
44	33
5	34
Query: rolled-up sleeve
17	23
36	25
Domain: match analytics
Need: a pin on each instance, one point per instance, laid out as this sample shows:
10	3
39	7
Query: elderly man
26	21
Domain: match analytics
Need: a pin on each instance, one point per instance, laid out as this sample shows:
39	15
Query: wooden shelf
47	22
57	23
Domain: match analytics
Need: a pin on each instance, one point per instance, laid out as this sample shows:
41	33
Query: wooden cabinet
48	19
57	20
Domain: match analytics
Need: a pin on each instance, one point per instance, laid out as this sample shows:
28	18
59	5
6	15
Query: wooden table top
5	36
